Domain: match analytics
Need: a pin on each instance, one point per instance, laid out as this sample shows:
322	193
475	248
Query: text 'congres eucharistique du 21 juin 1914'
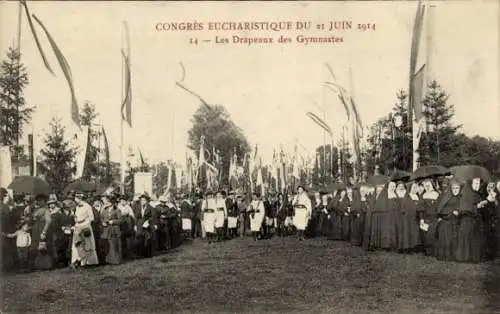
248	33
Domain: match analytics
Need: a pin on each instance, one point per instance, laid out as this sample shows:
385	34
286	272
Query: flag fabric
86	163
415	46
106	152
357	117
82	142
35	36
418	93
320	122
346	104
66	69
126	108
127	100
141	158
295	169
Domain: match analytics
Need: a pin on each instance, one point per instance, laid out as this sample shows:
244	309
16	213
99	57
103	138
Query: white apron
219	219
302	213
209	222
258	218
186	224
300	219
232	222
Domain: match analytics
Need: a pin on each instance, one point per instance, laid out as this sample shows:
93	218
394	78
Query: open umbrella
469	172
400	175
430	171
80	186
30	185
377	179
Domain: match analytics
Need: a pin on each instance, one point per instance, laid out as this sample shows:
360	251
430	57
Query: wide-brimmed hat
145	196
51	201
163	199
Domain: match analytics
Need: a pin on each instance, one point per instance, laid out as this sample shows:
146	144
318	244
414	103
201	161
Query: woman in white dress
83	249
220	215
208	207
302	207
257	213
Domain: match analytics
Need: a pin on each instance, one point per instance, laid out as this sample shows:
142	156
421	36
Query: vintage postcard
249	157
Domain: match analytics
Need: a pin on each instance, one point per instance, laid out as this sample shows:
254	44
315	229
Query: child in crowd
23	243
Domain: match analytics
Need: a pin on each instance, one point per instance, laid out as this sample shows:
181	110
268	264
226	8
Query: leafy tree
437	144
57	158
14	112
220	133
390	146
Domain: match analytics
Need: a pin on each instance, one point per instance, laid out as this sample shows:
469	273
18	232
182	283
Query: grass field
277	275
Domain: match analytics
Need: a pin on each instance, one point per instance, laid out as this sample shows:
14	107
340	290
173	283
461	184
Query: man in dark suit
146	226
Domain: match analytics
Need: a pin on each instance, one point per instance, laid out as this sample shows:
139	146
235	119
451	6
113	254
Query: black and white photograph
249	156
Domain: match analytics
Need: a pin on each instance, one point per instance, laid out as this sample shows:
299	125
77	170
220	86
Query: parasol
400	175
430	171
30	185
469	172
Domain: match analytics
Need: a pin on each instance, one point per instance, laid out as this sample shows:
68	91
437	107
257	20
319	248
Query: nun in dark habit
427	215
358	209
446	228
335	217
469	237
383	228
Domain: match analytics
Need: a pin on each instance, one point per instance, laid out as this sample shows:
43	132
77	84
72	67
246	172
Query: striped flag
66	69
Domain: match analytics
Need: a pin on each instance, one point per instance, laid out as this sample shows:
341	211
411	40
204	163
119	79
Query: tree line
389	146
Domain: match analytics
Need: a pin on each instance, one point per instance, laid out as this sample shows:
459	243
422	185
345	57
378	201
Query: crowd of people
446	219
42	232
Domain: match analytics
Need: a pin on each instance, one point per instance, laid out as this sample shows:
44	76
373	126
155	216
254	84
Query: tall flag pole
416	85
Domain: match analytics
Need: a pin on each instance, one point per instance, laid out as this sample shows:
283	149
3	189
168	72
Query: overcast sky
268	88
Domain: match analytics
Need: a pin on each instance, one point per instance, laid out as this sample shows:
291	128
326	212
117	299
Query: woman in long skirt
257	213
370	205
220	215
42	249
490	219
358	208
382	230
345	210
127	223
335	213
468	238
446	229
209	216
427	216
111	219
406	220
303	209
83	248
